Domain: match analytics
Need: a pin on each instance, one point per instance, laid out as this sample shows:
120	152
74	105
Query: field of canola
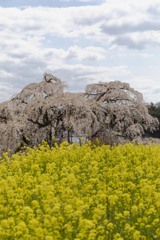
81	192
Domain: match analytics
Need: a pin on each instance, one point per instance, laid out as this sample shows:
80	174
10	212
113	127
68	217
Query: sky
81	42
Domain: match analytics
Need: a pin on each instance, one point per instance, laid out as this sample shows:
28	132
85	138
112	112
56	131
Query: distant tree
154	109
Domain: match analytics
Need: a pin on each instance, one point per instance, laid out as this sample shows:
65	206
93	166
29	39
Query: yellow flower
81	192
118	236
134	209
158	232
126	213
35	204
110	226
136	235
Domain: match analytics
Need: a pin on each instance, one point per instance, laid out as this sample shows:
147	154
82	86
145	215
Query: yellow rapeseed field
81	192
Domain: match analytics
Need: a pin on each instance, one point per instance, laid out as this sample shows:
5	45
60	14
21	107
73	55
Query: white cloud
79	75
6	91
92	42
149	87
87	53
85	1
109	22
